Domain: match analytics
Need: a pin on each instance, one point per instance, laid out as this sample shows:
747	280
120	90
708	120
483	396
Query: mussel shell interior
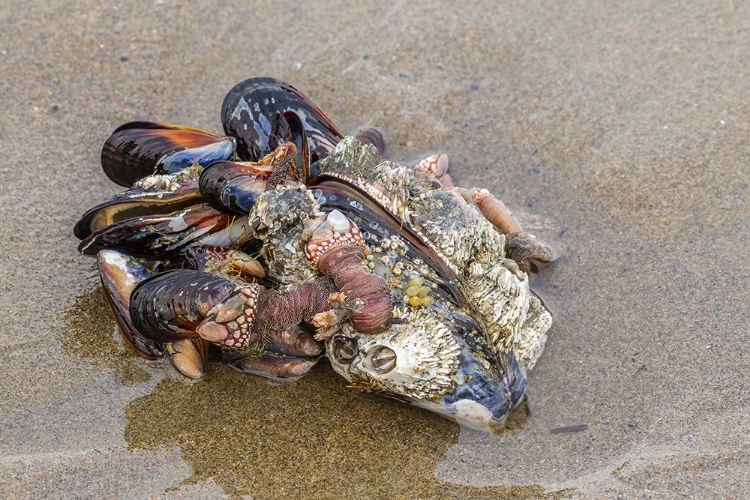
136	203
159	236
119	274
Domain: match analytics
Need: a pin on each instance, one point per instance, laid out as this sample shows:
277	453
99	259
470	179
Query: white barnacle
426	357
338	221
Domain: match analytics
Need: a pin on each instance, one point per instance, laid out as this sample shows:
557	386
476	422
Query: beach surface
616	131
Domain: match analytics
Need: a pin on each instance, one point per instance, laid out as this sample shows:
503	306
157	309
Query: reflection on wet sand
256	437
89	333
259	438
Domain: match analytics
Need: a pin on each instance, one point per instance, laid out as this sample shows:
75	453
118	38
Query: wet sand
618	132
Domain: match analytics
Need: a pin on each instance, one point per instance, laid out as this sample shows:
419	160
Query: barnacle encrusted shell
496	288
426	353
278	219
531	337
360	163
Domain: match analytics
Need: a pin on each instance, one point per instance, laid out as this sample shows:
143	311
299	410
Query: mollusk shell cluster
249	241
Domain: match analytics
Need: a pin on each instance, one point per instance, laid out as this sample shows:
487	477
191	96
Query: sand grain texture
618	129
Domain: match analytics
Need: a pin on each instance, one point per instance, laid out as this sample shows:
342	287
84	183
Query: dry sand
621	126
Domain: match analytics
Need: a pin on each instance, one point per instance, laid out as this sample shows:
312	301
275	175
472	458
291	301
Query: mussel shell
293	341
517	382
374	220
503	368
273	366
485	386
171	305
136	202
138	149
257	112
119	274
495	387
188	356
164	236
233	187
299	137
496	379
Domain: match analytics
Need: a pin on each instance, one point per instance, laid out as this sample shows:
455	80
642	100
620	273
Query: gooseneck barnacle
337	249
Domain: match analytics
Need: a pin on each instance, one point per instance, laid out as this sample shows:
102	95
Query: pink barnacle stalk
338	249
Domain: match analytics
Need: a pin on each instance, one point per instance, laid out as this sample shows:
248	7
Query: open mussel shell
138	149
158	237
120	274
233	187
137	202
169	306
263	113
